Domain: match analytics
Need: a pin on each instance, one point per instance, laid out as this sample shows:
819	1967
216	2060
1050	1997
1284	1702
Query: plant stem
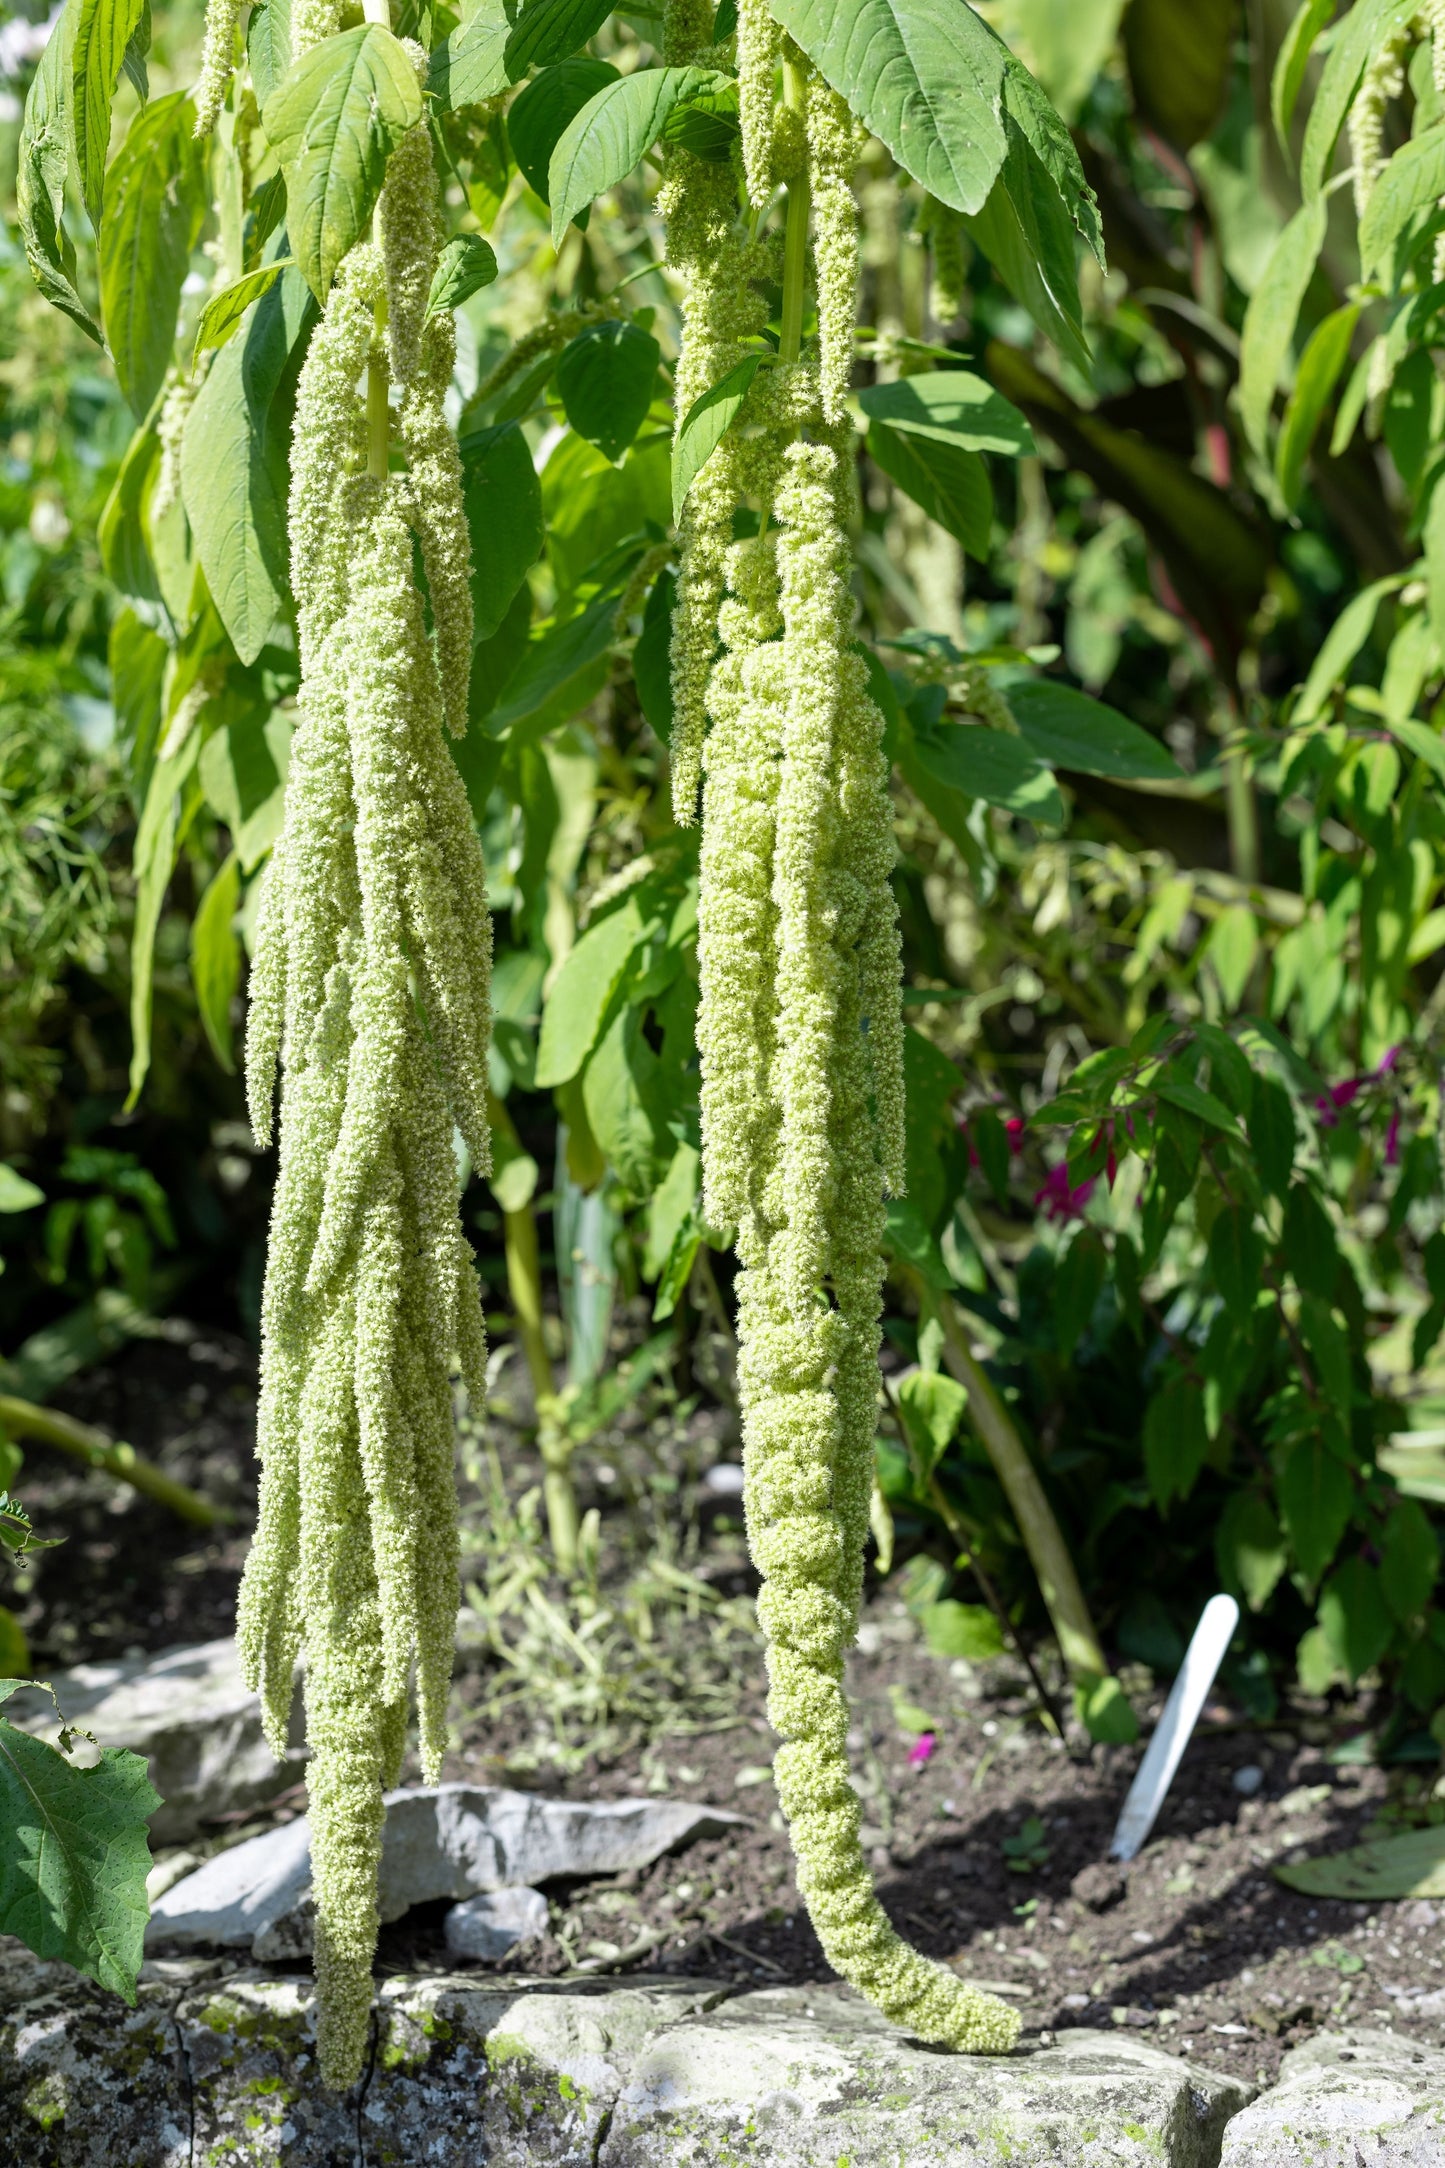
795	237
1043	1538
96	1450
524	1283
378	383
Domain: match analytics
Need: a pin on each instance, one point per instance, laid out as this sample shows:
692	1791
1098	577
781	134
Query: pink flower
1014	1131
1058	1200
1387	1061
921	1750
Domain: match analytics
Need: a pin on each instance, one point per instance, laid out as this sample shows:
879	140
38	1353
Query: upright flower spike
371	994
800	1021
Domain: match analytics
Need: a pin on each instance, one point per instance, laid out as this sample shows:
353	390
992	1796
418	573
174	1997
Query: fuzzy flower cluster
800	1025
311	21
370	990
721	267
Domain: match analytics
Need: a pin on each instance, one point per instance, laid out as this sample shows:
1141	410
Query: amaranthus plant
321	579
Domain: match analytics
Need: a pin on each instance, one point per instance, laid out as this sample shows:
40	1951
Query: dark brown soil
1203	1948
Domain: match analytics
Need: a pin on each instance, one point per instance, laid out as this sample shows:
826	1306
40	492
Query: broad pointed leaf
334	122
156	207
606	139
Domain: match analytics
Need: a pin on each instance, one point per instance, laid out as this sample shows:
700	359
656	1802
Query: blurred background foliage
1175	1188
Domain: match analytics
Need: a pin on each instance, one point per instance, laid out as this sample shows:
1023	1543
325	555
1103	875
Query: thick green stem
524	1283
1043	1538
25	1420
795	235
378	382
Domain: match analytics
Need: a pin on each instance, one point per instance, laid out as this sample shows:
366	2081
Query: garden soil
989	1850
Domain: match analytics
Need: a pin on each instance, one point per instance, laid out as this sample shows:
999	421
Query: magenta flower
1058	1200
1392	1140
921	1750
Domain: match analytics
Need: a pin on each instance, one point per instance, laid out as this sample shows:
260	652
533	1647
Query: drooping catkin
371	993
759	46
800	1037
721	267
218	58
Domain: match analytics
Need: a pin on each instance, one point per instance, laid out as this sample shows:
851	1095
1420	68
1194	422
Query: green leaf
705	122
268	46
1355	1618
1418	738
1309	1244
1176	1439
233	483
548	30
156	208
707	422
1413	181
605	377
1320	364
47	145
1236	1254
605	140
950	483
1315	1496
464	267
991	765
932	1407
967	1630
75	1859
562	667
1270	319
16	1194
240	772
1342	643
152	860
539	115
1103	1709
581	992
954	407
1272	1134
470	66
1069	730
617	1093
1077	1287
1190	1098
1409	1560
926	76
1249	1548
216	957
1412	1865
1367	26
103	30
502	498
1292	62
220	319
1329	1346
652	658
333	123
1027	234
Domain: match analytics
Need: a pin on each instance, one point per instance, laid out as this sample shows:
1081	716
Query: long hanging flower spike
371	990
800	1022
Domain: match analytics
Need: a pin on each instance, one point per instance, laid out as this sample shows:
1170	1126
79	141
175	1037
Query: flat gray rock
523	2073
190	1713
1355	2099
441	1840
495	1921
809	2077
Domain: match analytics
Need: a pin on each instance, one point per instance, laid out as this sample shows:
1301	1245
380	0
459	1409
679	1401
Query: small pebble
1247	1780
